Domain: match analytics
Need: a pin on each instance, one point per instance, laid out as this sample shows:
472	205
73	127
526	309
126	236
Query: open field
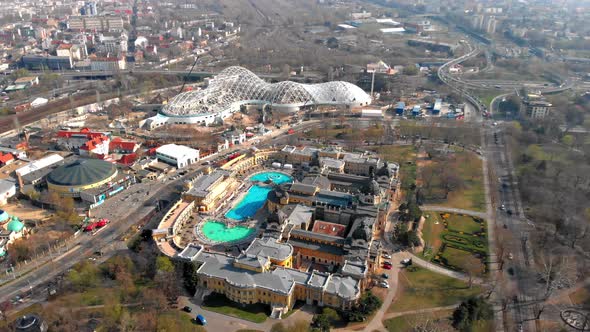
421	289
468	190
406	323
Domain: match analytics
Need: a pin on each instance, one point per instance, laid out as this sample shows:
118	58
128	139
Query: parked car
201	320
387	263
384	284
385	276
388	256
387	267
187	309
407	261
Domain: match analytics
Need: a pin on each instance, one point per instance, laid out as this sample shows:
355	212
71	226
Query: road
515	281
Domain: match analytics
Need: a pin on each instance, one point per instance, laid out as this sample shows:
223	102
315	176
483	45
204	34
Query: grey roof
288	149
318	279
290	274
317	180
331	162
6	185
82	172
269	247
356	269
221	266
190	252
319	236
348	178
202	183
306	151
253	260
300	214
345	287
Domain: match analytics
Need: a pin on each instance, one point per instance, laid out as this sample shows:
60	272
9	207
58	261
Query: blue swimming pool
275	177
256	195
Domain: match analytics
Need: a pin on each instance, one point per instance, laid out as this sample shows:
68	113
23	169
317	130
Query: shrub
471	311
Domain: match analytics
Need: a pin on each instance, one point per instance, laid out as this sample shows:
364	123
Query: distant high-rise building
89	9
490	24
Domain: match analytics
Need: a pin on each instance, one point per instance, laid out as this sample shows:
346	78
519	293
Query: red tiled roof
4	158
328	228
93	142
118	144
84	131
127	159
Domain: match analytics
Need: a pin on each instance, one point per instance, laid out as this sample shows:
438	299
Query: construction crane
189	74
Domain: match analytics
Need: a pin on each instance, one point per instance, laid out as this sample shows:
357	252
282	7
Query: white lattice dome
236	85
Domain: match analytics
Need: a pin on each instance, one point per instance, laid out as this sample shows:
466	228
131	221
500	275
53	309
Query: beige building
98	23
210	192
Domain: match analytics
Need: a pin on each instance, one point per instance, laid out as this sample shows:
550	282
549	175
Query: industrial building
178	156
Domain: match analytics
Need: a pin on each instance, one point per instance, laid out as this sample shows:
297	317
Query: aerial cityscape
295	165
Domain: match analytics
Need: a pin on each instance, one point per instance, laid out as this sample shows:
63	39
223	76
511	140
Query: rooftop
202	184
269	247
328	228
176	151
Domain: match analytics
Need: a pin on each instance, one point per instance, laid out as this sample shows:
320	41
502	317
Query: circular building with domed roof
80	175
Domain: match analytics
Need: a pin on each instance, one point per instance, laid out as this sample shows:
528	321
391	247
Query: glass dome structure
235	86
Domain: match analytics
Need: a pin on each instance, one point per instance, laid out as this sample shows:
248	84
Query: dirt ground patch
24	210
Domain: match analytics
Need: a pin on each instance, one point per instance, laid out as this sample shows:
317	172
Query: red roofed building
117	145
84	142
6	158
127	159
329	228
95	146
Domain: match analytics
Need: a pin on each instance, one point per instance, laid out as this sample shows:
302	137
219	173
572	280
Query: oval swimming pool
218	232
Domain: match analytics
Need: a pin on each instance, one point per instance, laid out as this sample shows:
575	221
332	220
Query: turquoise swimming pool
256	195
219	232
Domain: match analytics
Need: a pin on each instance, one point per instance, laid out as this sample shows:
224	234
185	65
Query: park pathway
439	208
419	311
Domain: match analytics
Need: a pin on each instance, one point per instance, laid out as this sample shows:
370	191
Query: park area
428	299
423	289
452	177
455	241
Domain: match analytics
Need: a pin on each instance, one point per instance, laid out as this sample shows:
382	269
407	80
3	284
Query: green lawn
440	319
174	320
257	313
405	156
423	289
452	249
465	224
462	259
471	195
431	231
407	323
